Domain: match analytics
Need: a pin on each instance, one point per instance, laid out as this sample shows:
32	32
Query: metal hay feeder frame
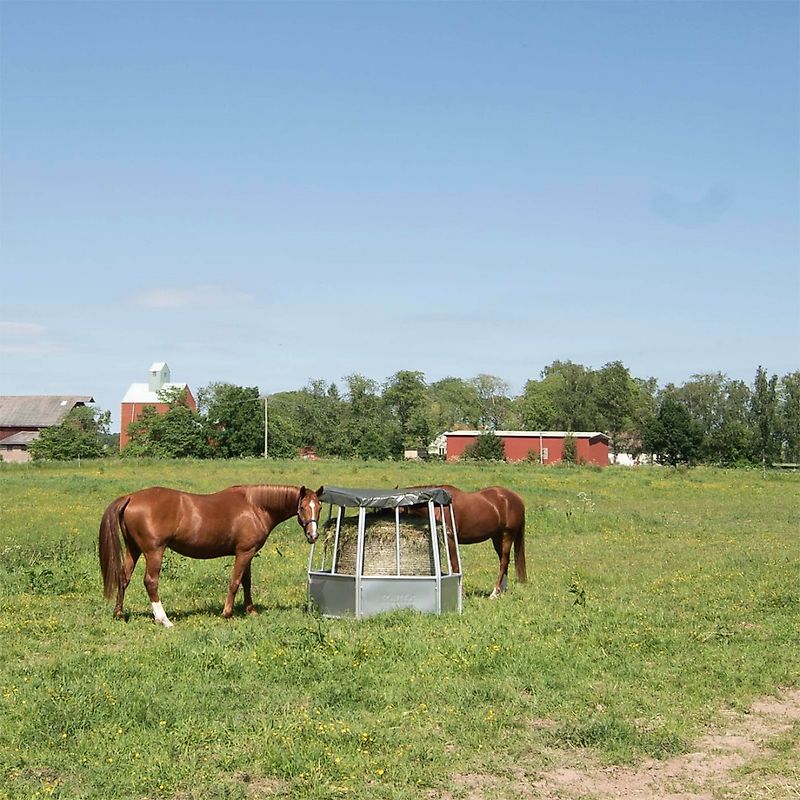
410	569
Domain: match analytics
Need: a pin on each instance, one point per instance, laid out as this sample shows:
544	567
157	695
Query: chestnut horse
233	522
493	513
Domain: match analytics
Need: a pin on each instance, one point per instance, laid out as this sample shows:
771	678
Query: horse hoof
252	610
494	595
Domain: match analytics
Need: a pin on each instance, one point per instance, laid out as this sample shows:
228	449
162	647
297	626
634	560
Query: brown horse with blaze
234	522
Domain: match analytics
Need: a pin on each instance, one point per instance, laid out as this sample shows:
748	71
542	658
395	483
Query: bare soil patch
706	773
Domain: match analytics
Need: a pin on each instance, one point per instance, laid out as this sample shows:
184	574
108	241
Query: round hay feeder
382	550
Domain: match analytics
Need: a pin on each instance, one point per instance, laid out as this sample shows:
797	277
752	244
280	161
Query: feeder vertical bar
362	516
436	562
455	540
336	539
321	567
445	543
397	536
308	572
458	559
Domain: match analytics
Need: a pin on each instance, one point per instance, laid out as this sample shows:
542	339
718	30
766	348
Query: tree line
708	419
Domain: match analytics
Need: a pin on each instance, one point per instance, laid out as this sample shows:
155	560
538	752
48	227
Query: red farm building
22	418
591	446
141	395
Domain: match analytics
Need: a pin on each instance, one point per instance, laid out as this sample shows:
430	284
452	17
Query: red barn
591	446
141	395
23	417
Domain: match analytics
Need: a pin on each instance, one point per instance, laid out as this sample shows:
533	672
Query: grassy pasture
657	598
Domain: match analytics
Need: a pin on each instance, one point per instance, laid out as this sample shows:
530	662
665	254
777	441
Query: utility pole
266	429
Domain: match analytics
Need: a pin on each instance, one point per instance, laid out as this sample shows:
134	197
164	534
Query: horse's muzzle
310	530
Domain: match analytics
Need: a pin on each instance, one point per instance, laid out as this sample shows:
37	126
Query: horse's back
159	515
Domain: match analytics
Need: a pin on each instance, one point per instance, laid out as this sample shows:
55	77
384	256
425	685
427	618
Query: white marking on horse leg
160	615
495	594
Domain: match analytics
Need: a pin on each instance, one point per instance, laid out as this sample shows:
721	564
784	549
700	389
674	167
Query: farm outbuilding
22	417
141	395
591	446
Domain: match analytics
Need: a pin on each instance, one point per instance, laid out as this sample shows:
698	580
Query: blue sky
267	193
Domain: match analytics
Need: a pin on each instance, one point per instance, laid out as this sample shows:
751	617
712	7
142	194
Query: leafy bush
570	455
487	447
80	435
180	433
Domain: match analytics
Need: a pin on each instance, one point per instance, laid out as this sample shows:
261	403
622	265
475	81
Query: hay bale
380	545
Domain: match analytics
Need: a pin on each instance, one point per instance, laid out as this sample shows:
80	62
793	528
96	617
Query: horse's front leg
248	597
452	553
240	564
503	550
151	574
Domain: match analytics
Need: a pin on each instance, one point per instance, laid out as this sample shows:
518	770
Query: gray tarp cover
384	498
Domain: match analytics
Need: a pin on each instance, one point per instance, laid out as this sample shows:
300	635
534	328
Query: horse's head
308	510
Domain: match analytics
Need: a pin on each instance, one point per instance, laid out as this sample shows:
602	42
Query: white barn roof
140	393
534	434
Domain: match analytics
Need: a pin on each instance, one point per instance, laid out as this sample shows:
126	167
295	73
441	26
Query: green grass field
656	600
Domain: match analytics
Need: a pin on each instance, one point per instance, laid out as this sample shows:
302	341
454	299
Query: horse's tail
519	552
110	550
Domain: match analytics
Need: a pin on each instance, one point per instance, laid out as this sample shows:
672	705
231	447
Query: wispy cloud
461	318
21	329
706	209
25	338
200	296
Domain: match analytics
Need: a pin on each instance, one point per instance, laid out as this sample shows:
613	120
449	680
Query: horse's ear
320	491
302	492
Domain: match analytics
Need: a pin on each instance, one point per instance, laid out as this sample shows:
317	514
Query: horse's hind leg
502	546
151	574
132	553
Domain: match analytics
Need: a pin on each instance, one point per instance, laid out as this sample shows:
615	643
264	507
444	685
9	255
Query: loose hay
380	545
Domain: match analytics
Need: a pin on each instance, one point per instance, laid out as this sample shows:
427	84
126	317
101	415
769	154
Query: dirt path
707	773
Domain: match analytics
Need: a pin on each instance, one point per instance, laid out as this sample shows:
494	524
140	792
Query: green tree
672	434
615	398
536	406
81	434
493	400
721	409
486	447
571	387
644	408
404	394
286	436
789	417
452	404
764	416
320	418
730	441
371	433
236	415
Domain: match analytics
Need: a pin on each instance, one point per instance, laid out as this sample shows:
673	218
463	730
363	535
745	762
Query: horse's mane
273	496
